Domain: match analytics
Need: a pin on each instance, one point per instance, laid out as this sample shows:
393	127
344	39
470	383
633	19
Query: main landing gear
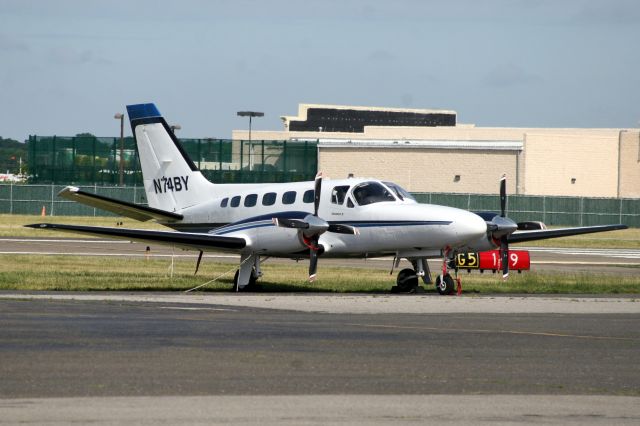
408	280
247	275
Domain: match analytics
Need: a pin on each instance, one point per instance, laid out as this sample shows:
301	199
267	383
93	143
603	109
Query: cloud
381	55
10	44
509	75
621	12
66	56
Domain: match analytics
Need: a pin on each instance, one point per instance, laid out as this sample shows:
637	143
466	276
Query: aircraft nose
470	226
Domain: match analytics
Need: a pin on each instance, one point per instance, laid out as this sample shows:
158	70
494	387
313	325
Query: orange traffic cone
44	211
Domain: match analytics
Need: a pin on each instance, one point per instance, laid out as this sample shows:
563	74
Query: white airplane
352	217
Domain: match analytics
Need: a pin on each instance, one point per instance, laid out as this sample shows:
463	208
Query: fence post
53	160
199	154
51	214
544	209
93	160
581	210
241	160
284	161
620	211
11	199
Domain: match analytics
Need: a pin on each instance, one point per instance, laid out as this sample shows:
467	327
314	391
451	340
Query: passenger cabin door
341	203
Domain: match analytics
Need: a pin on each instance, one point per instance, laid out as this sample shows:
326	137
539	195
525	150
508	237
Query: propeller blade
343	229
503	195
313	265
316	193
313	259
290	223
504	255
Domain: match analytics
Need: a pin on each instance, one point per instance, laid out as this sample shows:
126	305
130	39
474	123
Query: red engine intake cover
519	260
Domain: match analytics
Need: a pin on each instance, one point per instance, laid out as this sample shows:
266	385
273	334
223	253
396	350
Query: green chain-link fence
564	211
89	160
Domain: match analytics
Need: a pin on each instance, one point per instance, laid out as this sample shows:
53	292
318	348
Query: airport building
429	151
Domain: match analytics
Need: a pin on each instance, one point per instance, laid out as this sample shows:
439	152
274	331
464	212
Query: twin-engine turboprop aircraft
326	218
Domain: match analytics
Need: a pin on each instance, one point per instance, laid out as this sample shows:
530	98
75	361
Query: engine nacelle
519	260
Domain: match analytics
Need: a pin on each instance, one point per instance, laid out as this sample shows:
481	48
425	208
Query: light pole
250	114
175	127
120	116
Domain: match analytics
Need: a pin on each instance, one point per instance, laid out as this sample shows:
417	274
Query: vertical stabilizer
171	180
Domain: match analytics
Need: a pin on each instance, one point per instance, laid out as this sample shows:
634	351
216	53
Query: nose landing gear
445	284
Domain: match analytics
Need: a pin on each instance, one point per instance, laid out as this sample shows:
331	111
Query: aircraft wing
542	234
185	239
122	208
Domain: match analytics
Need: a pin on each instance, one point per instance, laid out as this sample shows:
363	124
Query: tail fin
171	180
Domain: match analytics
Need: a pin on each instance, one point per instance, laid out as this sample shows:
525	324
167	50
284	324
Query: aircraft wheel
407	280
445	286
249	287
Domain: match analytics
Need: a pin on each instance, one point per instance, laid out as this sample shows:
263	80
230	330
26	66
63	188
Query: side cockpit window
338	194
400	192
371	192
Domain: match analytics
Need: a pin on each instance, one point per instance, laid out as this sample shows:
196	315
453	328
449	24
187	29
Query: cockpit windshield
371	192
402	193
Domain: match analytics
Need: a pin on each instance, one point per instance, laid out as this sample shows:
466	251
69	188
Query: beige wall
630	164
463	132
551	161
423	170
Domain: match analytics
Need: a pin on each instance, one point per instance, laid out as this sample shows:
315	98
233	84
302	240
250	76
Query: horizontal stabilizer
185	239
522	236
122	208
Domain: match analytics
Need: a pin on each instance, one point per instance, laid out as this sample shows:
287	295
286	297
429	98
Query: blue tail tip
142	111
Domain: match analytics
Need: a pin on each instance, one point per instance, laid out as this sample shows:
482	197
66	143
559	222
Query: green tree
11	152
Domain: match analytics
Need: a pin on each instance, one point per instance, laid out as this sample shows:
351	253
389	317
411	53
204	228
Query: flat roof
303	108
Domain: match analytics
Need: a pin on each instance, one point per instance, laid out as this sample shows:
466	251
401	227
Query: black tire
407	280
249	287
446	286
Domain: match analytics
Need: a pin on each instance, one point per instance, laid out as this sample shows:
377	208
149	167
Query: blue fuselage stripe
370	224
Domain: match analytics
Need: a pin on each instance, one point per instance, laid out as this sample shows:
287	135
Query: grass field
76	273
80	273
13	225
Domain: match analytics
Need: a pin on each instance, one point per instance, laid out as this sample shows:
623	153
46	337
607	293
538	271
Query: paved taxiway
313	359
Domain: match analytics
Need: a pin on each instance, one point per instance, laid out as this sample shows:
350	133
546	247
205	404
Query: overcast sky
67	66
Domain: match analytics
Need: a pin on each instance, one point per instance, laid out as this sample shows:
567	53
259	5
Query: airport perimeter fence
560	211
90	160
553	211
